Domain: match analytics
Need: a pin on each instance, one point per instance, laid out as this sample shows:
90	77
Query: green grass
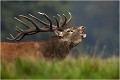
84	67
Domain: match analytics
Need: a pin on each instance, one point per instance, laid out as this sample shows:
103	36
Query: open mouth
83	35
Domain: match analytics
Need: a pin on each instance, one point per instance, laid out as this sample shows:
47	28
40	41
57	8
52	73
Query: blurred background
101	19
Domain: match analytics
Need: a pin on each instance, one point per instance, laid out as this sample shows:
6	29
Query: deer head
72	35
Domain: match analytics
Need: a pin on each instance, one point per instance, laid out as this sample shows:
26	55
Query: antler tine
20	38
18	29
63	24
50	28
11	35
69	18
30	21
14	38
22	22
8	38
61	20
56	21
44	23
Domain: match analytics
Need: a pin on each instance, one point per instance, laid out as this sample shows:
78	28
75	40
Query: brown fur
52	49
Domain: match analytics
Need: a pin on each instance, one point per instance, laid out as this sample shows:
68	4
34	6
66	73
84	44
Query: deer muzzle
83	36
81	30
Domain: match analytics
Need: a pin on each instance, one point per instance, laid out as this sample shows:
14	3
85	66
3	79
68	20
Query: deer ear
58	33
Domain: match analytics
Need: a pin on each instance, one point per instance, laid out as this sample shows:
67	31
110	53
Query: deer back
11	51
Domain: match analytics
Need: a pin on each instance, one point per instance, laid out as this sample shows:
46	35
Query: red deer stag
58	47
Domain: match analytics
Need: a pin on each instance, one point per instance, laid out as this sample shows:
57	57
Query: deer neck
58	41
55	48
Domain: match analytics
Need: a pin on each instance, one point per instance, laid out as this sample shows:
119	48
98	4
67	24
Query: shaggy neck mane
55	48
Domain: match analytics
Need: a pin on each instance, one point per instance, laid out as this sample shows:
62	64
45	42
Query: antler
61	23
33	30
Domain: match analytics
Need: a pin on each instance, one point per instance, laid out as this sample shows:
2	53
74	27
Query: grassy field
84	67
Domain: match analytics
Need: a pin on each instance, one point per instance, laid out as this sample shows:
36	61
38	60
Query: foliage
84	67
